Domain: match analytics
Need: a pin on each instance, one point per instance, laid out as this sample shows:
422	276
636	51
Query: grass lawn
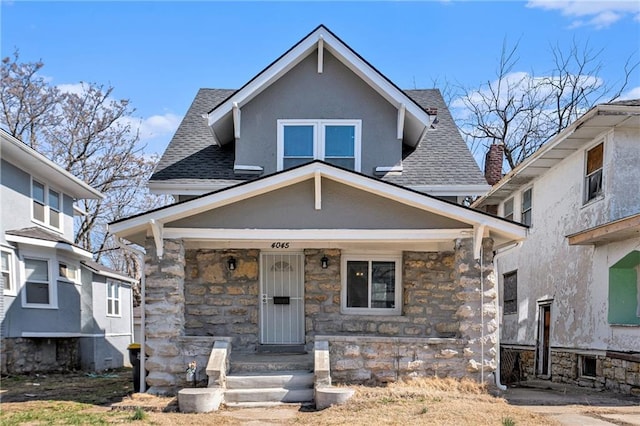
77	398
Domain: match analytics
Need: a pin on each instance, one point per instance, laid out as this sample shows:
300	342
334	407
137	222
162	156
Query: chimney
493	163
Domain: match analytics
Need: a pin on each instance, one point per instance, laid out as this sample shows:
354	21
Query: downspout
140	254
497	256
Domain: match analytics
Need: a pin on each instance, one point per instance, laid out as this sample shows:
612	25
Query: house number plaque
280	245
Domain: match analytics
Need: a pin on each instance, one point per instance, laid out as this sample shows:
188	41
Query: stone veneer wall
193	293
612	373
220	302
22	355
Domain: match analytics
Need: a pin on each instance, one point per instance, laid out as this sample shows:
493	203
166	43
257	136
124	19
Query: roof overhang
109	274
593	124
415	119
618	230
22	155
49	244
136	228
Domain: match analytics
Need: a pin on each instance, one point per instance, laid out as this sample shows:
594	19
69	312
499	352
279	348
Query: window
335	141
624	290
68	272
37	285
593	175
526	206
508	209
47	204
510	293
113	298
371	285
587	365
6	268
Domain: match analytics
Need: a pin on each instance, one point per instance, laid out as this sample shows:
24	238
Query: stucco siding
303	93
623	172
574	277
16	199
343	207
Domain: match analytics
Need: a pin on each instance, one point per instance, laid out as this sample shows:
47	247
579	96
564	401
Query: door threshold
282	349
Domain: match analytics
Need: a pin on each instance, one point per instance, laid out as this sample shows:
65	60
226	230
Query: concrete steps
267	379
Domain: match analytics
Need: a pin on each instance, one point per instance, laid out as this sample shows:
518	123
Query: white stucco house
60	309
570	293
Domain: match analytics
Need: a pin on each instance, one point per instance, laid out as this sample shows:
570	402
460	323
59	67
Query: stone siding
375	360
221	302
448	324
612	373
30	355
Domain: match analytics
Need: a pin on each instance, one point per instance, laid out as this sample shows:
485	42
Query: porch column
164	310
477	313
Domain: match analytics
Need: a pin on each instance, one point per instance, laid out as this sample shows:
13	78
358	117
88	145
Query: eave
29	160
618	230
594	124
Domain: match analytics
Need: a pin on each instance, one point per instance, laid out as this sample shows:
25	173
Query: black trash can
134	358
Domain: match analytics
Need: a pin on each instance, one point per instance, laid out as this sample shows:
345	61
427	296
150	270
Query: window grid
593	173
6	269
527	205
113	298
37	283
46	205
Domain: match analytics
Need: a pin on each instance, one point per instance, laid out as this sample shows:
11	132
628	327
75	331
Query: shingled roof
192	157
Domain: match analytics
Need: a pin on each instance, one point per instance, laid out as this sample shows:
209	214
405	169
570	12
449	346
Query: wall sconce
324	262
231	263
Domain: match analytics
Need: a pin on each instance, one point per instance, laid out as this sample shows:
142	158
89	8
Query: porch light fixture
324	262
231	263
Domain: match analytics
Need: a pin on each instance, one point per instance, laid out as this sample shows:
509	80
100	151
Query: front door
282	298
544	334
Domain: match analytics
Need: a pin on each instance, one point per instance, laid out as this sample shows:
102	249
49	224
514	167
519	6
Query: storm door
543	349
282	298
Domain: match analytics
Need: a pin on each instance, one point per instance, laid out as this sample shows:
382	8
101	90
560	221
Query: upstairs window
593	174
527	206
47	205
371	285
6	268
113	298
510	293
335	141
508	209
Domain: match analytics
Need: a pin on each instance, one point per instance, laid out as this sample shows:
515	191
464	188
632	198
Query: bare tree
522	111
88	133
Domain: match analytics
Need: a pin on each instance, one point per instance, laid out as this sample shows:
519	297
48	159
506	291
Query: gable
303	93
293	207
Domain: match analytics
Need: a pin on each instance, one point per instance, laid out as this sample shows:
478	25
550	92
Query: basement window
587	365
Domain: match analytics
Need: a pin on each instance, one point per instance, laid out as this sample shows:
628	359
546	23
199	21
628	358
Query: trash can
134	358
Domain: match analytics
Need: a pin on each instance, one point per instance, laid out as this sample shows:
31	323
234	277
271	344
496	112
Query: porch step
281	349
267	388
265	363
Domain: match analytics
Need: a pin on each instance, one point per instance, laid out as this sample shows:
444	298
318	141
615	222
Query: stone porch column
477	313
164	310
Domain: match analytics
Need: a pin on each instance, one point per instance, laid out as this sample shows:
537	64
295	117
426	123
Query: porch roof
470	222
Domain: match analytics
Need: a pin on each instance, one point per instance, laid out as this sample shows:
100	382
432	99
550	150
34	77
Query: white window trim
110	299
585	188
53	284
318	138
522	211
74	265
47	207
12	290
391	257
513	208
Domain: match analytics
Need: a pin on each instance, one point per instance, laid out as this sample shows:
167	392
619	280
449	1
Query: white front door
282	298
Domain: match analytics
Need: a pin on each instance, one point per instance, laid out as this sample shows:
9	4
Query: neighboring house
61	310
570	299
307	214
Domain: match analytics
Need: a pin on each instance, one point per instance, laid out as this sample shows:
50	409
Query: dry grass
77	399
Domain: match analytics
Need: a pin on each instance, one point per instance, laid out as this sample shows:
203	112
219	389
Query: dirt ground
80	398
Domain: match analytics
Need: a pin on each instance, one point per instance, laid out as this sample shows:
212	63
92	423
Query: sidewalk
573	405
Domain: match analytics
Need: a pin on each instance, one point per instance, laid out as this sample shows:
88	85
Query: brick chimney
493	163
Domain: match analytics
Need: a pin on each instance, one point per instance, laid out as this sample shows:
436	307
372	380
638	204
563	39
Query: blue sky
158	54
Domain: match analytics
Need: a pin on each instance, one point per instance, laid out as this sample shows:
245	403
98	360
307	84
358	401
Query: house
60	309
318	211
570	308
